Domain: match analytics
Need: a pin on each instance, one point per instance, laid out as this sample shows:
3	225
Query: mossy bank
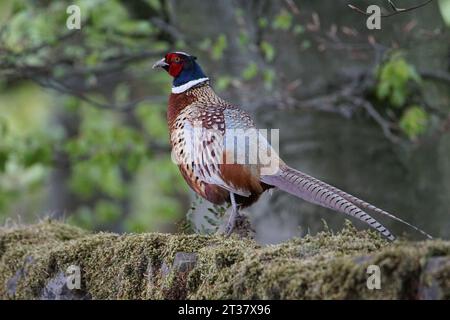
34	264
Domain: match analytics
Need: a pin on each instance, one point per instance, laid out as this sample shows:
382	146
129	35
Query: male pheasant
203	128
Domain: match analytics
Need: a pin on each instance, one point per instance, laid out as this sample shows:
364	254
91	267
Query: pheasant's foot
229	226
241	227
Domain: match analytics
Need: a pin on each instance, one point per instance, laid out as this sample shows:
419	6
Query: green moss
139	266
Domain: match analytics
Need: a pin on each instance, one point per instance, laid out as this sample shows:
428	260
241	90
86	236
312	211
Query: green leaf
268	50
394	79
383	90
250	72
283	20
398	97
219	47
268	76
92	59
243	39
413	74
223	82
263	22
298	29
414	121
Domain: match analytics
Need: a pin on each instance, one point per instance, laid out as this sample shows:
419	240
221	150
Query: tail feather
362	204
318	192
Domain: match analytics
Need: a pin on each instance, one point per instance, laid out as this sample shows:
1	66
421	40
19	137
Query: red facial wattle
175	64
175	69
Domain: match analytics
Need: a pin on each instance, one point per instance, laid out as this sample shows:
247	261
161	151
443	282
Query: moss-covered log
34	262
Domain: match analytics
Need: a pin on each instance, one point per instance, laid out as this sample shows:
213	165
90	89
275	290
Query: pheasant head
184	69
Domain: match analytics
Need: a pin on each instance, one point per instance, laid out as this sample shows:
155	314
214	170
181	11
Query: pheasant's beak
160	64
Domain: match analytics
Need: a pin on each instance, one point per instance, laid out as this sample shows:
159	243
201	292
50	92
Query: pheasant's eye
177	59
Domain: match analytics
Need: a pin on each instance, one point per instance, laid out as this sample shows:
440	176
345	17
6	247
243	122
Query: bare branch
395	9
435	75
357	9
127	107
385	125
170	29
294	8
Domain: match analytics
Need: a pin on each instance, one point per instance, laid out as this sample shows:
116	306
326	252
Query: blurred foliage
283	20
219	47
394	77
105	154
268	50
444	7
397	80
414	121
25	148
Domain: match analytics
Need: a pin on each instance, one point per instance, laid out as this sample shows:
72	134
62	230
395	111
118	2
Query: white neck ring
182	88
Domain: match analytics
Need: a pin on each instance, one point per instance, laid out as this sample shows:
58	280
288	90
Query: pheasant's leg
233	215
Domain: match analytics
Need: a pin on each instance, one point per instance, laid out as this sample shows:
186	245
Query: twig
294	8
170	29
435	75
127	107
395	9
383	123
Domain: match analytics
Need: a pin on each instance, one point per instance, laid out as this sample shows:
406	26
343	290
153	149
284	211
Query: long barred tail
361	203
321	193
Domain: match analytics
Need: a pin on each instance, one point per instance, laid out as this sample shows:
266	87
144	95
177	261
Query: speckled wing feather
199	142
